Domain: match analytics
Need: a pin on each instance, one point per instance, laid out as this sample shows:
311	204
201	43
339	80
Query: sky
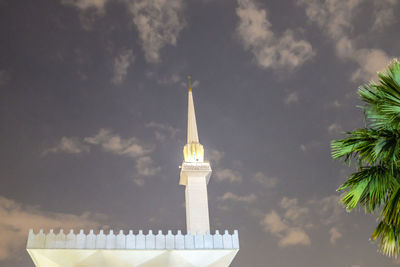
93	106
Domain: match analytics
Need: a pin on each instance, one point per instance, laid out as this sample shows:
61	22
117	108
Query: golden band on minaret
190	83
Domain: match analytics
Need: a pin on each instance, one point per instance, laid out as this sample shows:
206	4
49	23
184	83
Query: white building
198	247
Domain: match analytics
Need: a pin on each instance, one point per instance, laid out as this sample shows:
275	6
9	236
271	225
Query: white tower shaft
195	174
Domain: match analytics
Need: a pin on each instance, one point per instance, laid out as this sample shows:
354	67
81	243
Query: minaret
195	174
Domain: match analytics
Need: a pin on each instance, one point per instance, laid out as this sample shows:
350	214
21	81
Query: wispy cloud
288	235
70	145
334	104
384	13
159	24
269	50
121	65
334	235
290	224
113	143
17	218
229	196
289	229
306	147
86	4
328	208
228	175
131	147
221	173
291	98
335	18
369	61
195	84
264	180
214	156
163	131
146	167
335	128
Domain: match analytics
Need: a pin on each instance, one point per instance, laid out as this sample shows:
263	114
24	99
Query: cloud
334	235
369	60
159	23
121	65
89	12
229	196
262	179
313	144
139	181
86	4
145	167
334	104
115	144
17	219
269	50
195	84
163	130
170	79
335	128
291	98
68	145
291	223
222	174
288	235
384	13
335	17
290	227
227	175
328	208
214	156
130	147
273	223
293	212
295	236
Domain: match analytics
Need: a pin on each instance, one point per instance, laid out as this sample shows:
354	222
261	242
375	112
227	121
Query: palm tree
375	149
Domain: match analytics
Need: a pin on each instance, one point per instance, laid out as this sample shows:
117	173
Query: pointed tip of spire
190	83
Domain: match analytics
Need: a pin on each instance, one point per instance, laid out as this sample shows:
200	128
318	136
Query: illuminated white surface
90	250
195	174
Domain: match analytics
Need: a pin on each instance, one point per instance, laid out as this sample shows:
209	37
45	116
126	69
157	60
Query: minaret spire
193	150
192	135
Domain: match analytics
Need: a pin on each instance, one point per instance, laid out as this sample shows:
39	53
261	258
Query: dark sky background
93	101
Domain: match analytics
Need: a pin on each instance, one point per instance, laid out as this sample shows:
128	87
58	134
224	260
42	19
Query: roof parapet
131	241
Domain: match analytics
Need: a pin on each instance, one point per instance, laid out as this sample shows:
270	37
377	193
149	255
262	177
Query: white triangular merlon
132	241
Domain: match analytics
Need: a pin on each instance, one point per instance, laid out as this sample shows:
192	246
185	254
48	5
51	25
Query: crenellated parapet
131	241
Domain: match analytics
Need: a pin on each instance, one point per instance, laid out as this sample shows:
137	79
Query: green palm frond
391	212
382	108
370	188
370	146
388	236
